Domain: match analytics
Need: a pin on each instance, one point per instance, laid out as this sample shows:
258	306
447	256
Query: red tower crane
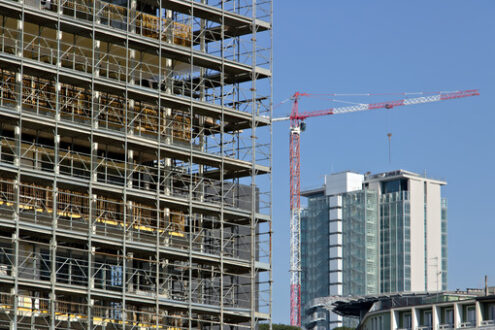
296	126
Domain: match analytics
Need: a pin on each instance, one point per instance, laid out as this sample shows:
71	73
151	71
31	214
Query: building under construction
135	159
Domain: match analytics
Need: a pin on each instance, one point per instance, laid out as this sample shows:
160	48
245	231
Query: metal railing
112	112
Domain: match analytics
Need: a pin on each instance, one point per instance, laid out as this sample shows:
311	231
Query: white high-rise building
370	234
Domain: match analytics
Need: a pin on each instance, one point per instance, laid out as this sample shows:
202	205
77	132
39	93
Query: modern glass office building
371	234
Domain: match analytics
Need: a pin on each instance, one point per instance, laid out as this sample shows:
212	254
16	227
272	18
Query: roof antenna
389	143
486	285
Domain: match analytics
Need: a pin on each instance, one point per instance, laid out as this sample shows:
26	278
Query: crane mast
295	216
296	127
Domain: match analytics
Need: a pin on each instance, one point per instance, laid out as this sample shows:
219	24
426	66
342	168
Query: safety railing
124	19
146	120
76	313
131	69
114	113
172	181
177	31
136	275
243	7
242	49
109	218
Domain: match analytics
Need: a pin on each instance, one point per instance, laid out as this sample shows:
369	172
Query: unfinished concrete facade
135	164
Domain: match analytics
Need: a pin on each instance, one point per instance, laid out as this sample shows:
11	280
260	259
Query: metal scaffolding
135	164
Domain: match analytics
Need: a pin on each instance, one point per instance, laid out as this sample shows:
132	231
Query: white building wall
336	184
434	234
416	189
343	182
335	250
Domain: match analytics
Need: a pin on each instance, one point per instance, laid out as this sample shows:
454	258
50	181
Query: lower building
470	309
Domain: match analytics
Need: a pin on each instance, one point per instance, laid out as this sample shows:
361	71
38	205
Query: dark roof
356	306
313	192
483	298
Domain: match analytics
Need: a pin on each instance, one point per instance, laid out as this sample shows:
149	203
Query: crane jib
297	126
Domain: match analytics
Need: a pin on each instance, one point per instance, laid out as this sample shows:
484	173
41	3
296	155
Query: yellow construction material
150	26
74	205
69	312
146	24
40	96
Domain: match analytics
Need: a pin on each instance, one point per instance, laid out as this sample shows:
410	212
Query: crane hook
389	143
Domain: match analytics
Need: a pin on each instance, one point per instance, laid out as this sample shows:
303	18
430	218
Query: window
407	321
491	312
448	316
427	318
394	186
471	315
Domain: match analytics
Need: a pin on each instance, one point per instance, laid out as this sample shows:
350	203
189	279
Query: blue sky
391	46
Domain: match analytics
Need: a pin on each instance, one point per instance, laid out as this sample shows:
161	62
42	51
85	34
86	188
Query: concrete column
414	318
95	153
132	16
435	320
132	61
96	106
131	113
53	252
130	215
92	279
17	137
130	162
457	315
94	207
20	27
56	145
59	59
18	90
479	316
393	320
96	50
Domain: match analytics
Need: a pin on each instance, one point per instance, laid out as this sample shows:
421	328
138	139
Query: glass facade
360	243
314	249
395	242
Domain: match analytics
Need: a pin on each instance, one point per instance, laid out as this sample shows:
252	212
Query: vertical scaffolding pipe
191	178
17	135
93	178
160	169
126	216
222	166
253	221
270	276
